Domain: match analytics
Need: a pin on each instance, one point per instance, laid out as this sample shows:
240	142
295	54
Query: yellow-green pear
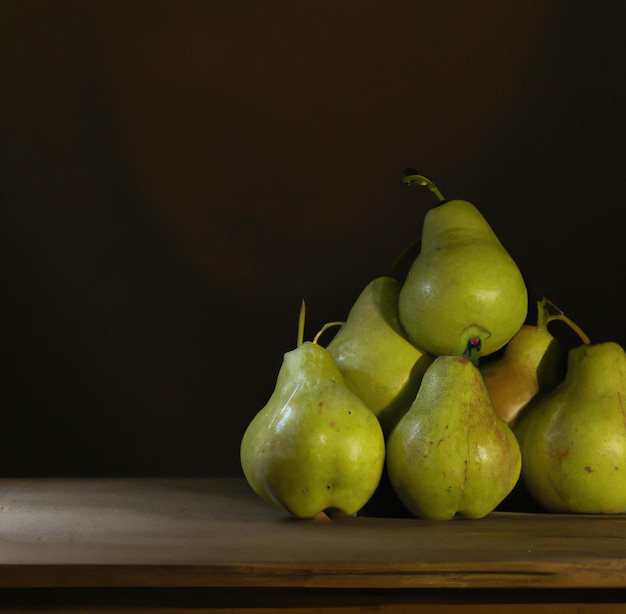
451	454
463	289
573	438
315	446
372	353
533	361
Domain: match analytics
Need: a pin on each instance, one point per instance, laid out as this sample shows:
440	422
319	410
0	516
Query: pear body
463	285
532	361
372	353
451	454
573	438
315	446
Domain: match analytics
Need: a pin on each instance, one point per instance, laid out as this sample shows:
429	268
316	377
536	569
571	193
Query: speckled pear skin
573	438
462	285
315	446
451	455
372	353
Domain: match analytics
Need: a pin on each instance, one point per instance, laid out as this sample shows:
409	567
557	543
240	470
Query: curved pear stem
325	328
545	316
301	324
301	319
410	178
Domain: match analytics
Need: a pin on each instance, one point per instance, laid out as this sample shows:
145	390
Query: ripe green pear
573	438
451	454
372	353
315	446
463	285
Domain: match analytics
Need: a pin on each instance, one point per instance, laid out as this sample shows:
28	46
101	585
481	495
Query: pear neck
310	362
597	364
454	222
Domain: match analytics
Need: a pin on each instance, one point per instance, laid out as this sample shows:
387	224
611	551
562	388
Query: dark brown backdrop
176	176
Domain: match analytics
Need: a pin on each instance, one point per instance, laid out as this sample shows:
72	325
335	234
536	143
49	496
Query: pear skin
573	438
315	446
372	353
532	361
462	286
451	454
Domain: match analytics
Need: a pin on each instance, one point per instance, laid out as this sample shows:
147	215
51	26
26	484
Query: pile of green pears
437	386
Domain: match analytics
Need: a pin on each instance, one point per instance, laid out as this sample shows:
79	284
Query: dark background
176	176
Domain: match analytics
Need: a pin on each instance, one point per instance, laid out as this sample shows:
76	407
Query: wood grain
133	533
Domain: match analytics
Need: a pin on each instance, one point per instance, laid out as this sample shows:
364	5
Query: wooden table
187	545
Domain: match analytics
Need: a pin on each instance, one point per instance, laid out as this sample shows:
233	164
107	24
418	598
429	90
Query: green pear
315	446
451	454
573	438
533	361
372	353
463	289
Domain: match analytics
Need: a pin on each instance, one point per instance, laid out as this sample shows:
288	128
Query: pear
372	353
533	361
451	454
573	438
315	446
463	289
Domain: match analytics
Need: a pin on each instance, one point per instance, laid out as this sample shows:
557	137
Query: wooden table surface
190	533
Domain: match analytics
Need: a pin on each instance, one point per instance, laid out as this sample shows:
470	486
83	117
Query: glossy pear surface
451	454
532	361
315	446
376	360
463	285
573	438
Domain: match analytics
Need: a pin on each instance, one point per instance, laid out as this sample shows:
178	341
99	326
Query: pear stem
325	328
410	178
301	324
544	317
